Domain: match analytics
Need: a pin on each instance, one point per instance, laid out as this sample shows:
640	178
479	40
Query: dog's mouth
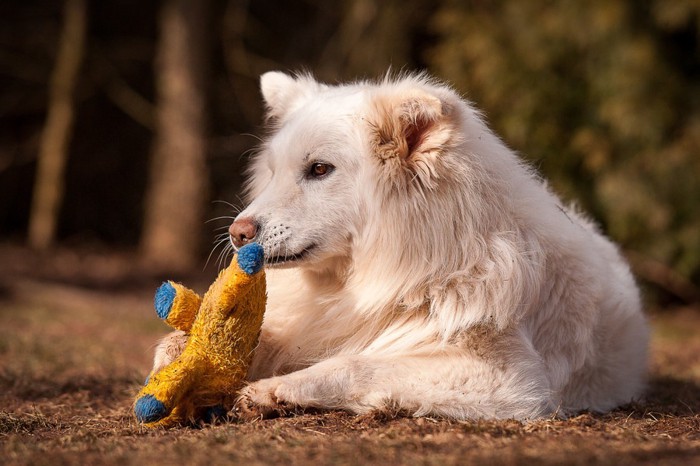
288	259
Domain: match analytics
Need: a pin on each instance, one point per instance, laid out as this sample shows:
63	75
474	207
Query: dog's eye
320	170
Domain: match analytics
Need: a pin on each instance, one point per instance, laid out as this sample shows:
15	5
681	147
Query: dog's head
338	161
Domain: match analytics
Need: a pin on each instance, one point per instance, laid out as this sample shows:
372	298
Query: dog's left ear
410	133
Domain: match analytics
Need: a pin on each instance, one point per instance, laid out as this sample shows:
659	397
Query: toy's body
223	330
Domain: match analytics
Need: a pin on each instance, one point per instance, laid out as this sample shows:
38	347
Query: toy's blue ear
165	295
251	258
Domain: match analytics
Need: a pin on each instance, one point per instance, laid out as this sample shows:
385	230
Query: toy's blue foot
163	301
149	409
251	258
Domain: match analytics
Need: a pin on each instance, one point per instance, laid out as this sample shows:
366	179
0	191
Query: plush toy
223	330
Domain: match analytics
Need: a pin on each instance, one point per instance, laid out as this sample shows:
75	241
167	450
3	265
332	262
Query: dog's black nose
243	231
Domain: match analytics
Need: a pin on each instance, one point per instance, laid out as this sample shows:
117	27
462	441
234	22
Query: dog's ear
283	93
409	134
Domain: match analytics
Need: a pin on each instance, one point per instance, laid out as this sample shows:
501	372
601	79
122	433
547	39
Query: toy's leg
177	305
185	414
163	395
147	408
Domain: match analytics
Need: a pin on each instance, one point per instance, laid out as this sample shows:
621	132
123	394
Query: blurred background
123	123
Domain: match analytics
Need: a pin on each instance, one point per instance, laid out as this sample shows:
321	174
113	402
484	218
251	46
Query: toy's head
251	258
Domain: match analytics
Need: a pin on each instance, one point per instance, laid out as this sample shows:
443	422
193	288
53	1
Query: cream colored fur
441	276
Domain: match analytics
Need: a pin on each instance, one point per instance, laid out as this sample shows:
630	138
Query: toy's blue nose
149	409
251	258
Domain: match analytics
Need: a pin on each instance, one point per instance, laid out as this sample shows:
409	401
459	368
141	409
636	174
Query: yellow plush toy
223	330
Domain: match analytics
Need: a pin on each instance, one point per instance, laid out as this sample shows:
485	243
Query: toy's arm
177	305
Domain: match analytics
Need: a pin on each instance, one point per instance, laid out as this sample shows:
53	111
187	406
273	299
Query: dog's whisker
233	206
223	254
254	136
222	217
221	236
219	259
217	243
241	201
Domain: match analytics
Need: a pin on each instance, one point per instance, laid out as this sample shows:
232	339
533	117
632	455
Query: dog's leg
452	384
168	349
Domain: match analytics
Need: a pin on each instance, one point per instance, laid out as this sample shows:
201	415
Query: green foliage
603	96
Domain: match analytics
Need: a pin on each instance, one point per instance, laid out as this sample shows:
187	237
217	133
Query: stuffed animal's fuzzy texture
223	330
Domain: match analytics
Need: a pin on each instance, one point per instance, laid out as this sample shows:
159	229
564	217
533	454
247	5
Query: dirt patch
74	353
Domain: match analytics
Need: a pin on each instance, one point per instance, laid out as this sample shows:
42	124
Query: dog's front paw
262	400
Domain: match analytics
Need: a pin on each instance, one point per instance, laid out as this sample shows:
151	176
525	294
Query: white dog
423	267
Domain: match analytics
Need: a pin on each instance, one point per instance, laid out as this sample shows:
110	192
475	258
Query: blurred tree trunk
178	179
55	139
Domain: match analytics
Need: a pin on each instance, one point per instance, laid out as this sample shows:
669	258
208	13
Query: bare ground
77	334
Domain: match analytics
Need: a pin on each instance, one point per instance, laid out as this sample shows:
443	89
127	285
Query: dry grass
72	358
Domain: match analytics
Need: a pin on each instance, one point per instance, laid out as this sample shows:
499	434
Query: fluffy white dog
423	267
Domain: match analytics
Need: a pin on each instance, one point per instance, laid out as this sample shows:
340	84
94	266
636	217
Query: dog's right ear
284	93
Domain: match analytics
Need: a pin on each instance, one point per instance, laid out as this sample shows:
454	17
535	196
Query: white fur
446	278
